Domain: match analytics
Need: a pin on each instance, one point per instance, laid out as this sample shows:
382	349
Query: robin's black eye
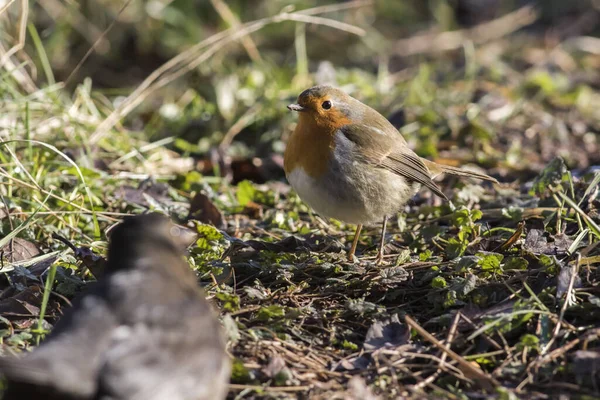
326	105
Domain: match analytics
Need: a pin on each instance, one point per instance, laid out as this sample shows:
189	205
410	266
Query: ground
496	297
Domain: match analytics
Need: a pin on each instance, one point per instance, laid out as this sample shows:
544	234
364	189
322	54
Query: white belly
325	199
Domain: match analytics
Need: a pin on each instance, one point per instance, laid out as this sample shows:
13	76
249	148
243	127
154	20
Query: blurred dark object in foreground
144	331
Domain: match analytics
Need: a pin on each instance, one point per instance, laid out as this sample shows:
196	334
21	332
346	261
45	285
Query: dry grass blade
6	63
332	23
241	123
513	238
336	7
229	17
485	32
5	6
21	34
60	12
100	40
16	71
191	58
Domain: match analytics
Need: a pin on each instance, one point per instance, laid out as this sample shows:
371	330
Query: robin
143	331
348	162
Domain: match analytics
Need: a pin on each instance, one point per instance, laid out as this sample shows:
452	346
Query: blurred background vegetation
148	33
241	90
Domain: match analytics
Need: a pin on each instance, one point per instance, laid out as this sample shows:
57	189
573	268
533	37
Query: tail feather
437	169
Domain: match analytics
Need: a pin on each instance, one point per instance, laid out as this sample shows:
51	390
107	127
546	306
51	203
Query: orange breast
309	147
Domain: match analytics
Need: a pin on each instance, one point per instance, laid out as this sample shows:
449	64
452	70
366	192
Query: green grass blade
47	290
74	165
39	46
593	226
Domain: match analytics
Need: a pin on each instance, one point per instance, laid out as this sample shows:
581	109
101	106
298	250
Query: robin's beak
296	107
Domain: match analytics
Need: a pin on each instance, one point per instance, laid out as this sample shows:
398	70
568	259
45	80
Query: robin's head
328	107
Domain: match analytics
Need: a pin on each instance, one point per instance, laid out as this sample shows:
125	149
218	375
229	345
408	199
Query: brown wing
386	151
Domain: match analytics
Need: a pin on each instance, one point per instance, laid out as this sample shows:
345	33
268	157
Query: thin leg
379	258
354	243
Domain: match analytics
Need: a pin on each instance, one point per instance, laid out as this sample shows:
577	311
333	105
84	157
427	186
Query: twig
482	33
449	341
483	380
